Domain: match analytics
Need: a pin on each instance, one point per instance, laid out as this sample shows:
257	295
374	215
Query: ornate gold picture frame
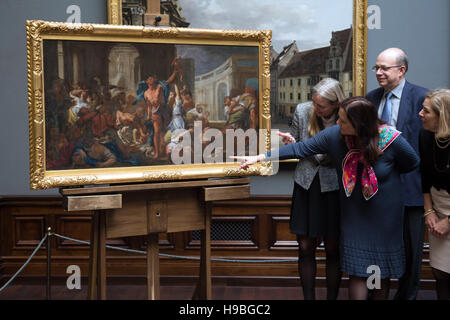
114	104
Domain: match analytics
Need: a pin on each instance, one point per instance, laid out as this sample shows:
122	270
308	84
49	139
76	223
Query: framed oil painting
123	104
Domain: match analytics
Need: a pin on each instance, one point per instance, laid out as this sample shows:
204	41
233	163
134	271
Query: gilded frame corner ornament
39	31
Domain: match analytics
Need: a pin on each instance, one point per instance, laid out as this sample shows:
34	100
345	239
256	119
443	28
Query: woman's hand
246	161
431	220
441	228
287	137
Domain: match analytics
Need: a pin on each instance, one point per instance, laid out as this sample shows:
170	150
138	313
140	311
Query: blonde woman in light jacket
315	199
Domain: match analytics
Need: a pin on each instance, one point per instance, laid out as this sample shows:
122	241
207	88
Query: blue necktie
386	115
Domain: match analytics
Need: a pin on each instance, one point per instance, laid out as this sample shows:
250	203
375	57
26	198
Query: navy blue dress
371	230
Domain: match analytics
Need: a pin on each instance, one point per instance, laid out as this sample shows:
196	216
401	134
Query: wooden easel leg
102	257
153	266
93	258
203	290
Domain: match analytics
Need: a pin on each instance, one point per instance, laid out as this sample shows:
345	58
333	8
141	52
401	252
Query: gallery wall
421	28
14	161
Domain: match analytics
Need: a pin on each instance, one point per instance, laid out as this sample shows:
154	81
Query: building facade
279	62
307	68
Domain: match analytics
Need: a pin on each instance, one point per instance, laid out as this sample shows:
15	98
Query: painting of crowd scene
114	104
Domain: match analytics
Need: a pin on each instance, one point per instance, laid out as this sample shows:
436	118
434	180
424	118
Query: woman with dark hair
370	156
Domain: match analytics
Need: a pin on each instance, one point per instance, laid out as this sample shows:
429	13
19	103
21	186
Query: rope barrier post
49	260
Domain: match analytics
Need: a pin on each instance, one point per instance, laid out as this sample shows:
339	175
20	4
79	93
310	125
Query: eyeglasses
383	68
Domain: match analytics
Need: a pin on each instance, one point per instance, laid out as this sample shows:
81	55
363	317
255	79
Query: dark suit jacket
409	123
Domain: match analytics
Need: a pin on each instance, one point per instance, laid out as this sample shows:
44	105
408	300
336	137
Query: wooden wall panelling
263	208
27	231
77	227
23	222
166	241
282	238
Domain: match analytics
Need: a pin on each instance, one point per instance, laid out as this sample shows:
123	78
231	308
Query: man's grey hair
402	60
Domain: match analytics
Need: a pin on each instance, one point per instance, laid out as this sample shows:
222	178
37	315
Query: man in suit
399	103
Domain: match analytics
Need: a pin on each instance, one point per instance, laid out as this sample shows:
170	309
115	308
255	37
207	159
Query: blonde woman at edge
315	199
434	147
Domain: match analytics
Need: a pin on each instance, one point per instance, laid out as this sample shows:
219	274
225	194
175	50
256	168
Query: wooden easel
98	204
149	209
153	16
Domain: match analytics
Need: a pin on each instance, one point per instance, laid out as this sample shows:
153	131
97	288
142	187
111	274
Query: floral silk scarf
369	180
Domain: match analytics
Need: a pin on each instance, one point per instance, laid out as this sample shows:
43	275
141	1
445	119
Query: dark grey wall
14	160
422	29
419	27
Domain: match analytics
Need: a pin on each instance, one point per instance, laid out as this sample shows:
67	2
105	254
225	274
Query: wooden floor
175	292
